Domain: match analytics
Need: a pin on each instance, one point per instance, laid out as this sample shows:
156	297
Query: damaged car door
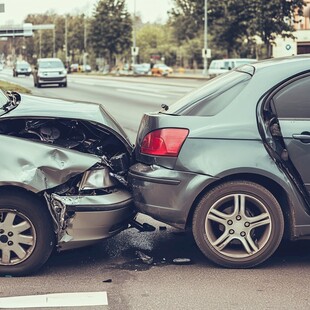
62	179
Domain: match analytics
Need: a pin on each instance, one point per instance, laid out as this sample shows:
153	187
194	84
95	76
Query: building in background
301	43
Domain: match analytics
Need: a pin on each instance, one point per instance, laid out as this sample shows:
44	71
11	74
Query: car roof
284	66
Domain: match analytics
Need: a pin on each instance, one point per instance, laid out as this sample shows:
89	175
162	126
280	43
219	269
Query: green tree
111	29
155	40
234	23
274	18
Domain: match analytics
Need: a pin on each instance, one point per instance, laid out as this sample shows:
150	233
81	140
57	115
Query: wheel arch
277	191
14	190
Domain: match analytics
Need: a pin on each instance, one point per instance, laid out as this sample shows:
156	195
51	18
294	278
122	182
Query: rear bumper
164	194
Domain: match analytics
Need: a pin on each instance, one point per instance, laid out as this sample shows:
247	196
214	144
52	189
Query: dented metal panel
37	166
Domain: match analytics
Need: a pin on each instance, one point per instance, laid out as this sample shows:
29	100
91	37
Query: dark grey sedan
231	162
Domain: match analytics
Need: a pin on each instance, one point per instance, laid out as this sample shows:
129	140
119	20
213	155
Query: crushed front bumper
84	220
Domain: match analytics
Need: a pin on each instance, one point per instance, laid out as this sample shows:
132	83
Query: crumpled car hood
33	106
46	142
37	166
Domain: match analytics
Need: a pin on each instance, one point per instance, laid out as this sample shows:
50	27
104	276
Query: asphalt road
119	267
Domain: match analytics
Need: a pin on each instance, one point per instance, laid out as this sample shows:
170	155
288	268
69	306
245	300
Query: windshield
3	99
23	66
8	101
51	64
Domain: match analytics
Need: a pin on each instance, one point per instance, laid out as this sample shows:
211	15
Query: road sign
206	53
23	30
135	51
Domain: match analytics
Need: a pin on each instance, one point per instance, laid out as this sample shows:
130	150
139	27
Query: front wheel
238	224
26	234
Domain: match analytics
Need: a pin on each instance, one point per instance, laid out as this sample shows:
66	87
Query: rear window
213	97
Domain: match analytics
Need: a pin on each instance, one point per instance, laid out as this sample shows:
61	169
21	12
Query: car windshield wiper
13	102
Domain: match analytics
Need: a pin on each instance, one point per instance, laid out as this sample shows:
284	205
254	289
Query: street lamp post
134	34
205	59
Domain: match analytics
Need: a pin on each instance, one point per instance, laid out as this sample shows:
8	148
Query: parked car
21	68
231	162
63	179
74	68
220	66
161	69
85	68
141	69
49	71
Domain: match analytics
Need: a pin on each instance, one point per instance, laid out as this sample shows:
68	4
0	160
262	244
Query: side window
293	101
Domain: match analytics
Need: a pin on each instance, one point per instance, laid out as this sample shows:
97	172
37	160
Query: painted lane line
55	300
141	93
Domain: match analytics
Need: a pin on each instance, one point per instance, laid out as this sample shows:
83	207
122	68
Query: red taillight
164	142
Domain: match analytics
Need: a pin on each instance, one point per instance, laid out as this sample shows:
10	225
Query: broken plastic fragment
145	258
182	261
107	281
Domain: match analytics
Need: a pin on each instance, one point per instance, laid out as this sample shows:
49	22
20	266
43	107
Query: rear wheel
26	234
238	224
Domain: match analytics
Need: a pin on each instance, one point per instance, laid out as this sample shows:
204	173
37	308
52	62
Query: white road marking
55	300
141	93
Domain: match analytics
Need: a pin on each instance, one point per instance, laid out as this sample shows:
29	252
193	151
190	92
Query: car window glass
51	64
293	100
3	98
215	103
213	97
3	101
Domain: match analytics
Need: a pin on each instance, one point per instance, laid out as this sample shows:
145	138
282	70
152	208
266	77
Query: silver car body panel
37	167
73	229
74	155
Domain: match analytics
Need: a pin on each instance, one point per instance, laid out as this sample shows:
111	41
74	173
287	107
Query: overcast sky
17	10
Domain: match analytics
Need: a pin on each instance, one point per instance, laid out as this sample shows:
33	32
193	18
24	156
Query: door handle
303	137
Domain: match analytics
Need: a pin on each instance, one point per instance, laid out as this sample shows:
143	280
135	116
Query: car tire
26	233
238	224
38	85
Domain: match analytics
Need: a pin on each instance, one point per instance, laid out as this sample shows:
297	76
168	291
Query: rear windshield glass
213	97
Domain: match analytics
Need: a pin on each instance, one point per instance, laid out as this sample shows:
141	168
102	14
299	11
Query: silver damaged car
62	181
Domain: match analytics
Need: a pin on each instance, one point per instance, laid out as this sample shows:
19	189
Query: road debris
145	258
182	261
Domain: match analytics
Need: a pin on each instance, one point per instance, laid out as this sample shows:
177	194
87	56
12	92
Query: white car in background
220	66
49	71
